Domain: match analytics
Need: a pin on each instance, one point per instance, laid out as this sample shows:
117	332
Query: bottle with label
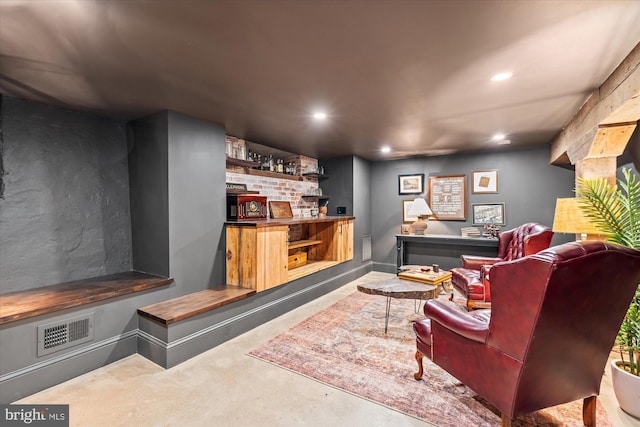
280	166
272	166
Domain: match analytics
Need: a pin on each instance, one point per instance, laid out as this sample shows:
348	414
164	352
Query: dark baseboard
35	378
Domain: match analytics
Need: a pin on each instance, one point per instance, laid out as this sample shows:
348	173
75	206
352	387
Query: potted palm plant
616	211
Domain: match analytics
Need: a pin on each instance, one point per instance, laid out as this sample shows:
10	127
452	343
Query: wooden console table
463	245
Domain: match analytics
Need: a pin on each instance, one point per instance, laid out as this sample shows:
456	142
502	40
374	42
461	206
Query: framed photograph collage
447	198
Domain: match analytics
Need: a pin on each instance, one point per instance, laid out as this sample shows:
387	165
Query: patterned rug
344	346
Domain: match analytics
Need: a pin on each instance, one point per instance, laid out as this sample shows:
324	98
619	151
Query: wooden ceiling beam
615	103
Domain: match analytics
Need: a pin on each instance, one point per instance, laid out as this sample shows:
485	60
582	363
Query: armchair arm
464	324
486	281
537	242
473	262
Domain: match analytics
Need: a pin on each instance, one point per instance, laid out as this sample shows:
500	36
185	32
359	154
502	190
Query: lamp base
419	226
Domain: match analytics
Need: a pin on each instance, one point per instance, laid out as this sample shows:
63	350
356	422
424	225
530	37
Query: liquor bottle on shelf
280	166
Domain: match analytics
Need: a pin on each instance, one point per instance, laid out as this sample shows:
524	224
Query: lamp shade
419	208
569	218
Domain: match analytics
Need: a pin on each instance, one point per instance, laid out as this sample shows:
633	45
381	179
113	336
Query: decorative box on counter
246	207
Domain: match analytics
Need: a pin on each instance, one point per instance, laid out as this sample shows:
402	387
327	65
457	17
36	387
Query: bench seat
21	305
186	306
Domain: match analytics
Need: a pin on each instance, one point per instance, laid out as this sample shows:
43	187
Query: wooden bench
21	305
186	306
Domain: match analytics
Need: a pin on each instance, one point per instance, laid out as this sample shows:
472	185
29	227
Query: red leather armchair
547	338
472	280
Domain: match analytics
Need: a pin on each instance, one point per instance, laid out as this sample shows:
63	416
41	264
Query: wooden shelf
310	267
249	170
310	196
243	163
303	243
269	174
242	192
315	175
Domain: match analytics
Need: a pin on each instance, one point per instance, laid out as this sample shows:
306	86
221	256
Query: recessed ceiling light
498	136
320	115
504	142
501	76
386	149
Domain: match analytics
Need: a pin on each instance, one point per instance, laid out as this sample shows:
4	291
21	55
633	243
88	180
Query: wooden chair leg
506	421
418	375
589	411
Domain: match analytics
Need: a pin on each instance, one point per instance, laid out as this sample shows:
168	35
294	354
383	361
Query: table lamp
420	208
569	218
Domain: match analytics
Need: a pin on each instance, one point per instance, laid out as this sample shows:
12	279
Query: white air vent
366	247
64	334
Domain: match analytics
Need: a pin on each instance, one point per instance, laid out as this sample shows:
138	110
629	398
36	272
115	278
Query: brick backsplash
277	189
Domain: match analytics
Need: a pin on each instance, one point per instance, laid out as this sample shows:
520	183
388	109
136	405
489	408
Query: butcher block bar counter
262	254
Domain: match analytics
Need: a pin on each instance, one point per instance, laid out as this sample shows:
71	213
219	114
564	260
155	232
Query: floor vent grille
366	247
64	334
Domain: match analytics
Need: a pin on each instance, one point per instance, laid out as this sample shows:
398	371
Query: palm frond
615	211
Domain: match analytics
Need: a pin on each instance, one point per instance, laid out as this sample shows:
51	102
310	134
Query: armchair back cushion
524	240
470	281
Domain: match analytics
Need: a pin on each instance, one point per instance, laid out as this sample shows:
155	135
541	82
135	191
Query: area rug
345	346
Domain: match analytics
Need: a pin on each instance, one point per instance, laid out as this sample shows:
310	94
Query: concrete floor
226	387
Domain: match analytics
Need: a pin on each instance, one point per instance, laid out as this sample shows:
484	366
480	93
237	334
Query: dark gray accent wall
339	185
65	211
361	204
197	203
177	167
528	185
349	185
149	180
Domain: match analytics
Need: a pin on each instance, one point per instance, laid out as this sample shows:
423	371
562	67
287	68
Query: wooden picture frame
448	197
411	183
484	182
405	229
406	206
488	213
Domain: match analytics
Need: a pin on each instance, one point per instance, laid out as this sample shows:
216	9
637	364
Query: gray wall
65	216
528	185
65	211
197	203
177	168
361	204
349	185
149	180
339	185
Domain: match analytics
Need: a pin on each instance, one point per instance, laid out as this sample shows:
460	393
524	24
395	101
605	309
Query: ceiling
413	75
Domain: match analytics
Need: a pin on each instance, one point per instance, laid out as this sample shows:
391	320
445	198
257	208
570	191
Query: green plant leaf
616	211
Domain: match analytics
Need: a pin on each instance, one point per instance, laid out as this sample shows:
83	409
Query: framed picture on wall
484	181
488	213
411	184
406	206
448	197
